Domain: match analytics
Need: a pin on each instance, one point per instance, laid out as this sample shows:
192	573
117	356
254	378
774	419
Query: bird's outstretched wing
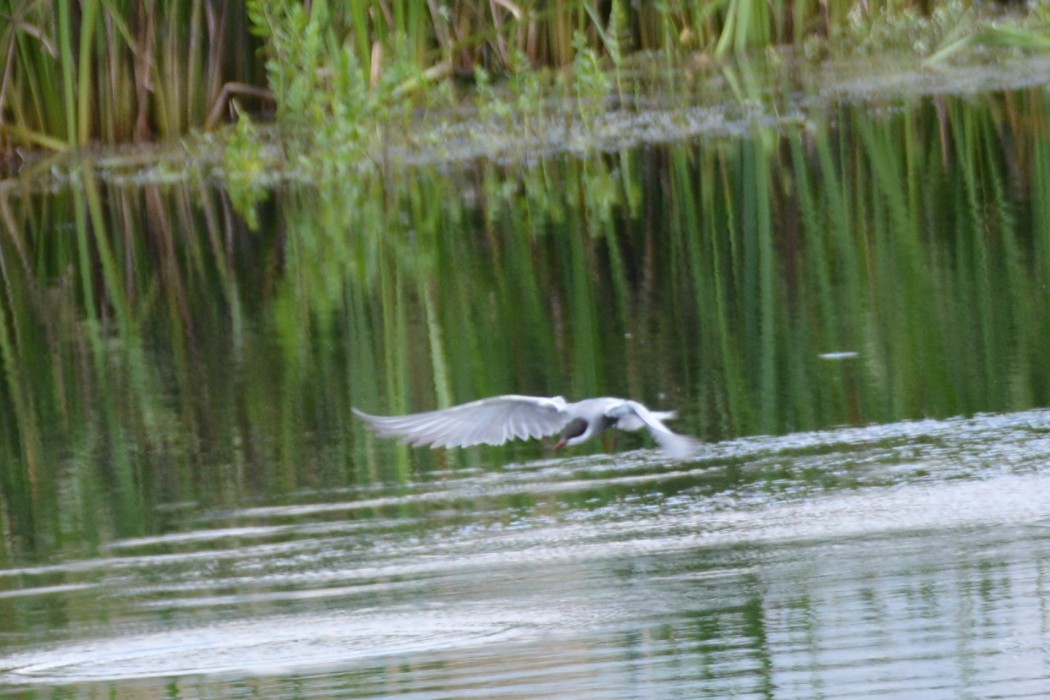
674	445
491	421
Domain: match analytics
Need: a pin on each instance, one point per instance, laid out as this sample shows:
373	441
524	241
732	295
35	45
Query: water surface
849	308
891	561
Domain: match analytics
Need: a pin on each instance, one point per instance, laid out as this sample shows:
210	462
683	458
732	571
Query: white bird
496	420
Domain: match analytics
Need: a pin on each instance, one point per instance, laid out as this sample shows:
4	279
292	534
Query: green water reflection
869	266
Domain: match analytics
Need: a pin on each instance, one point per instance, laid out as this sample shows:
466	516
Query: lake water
902	560
850	306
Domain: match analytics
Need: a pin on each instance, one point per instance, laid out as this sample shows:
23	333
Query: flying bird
496	420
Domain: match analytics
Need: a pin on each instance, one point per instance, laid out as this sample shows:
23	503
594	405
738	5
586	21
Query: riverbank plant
337	75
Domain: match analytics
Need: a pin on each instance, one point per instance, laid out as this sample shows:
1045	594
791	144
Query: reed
84	71
81	72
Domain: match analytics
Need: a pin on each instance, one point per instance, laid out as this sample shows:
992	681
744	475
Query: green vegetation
246	165
341	74
97	70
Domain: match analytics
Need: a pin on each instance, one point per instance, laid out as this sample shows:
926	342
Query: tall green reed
85	71
81	72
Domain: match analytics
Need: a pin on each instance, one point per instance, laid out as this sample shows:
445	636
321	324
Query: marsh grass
97	71
78	72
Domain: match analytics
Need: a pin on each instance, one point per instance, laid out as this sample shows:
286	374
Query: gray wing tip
371	420
383	426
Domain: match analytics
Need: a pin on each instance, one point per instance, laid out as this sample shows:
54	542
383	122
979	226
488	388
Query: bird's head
571	433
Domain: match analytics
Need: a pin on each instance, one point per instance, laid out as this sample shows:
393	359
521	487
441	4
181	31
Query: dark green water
190	509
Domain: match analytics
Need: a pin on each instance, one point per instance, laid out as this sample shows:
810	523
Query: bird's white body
496	420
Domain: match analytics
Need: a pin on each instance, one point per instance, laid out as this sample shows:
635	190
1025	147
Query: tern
495	420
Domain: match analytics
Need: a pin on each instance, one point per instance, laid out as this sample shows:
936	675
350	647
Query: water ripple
881	561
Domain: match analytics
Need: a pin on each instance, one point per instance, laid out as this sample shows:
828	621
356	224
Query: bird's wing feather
491	421
674	445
